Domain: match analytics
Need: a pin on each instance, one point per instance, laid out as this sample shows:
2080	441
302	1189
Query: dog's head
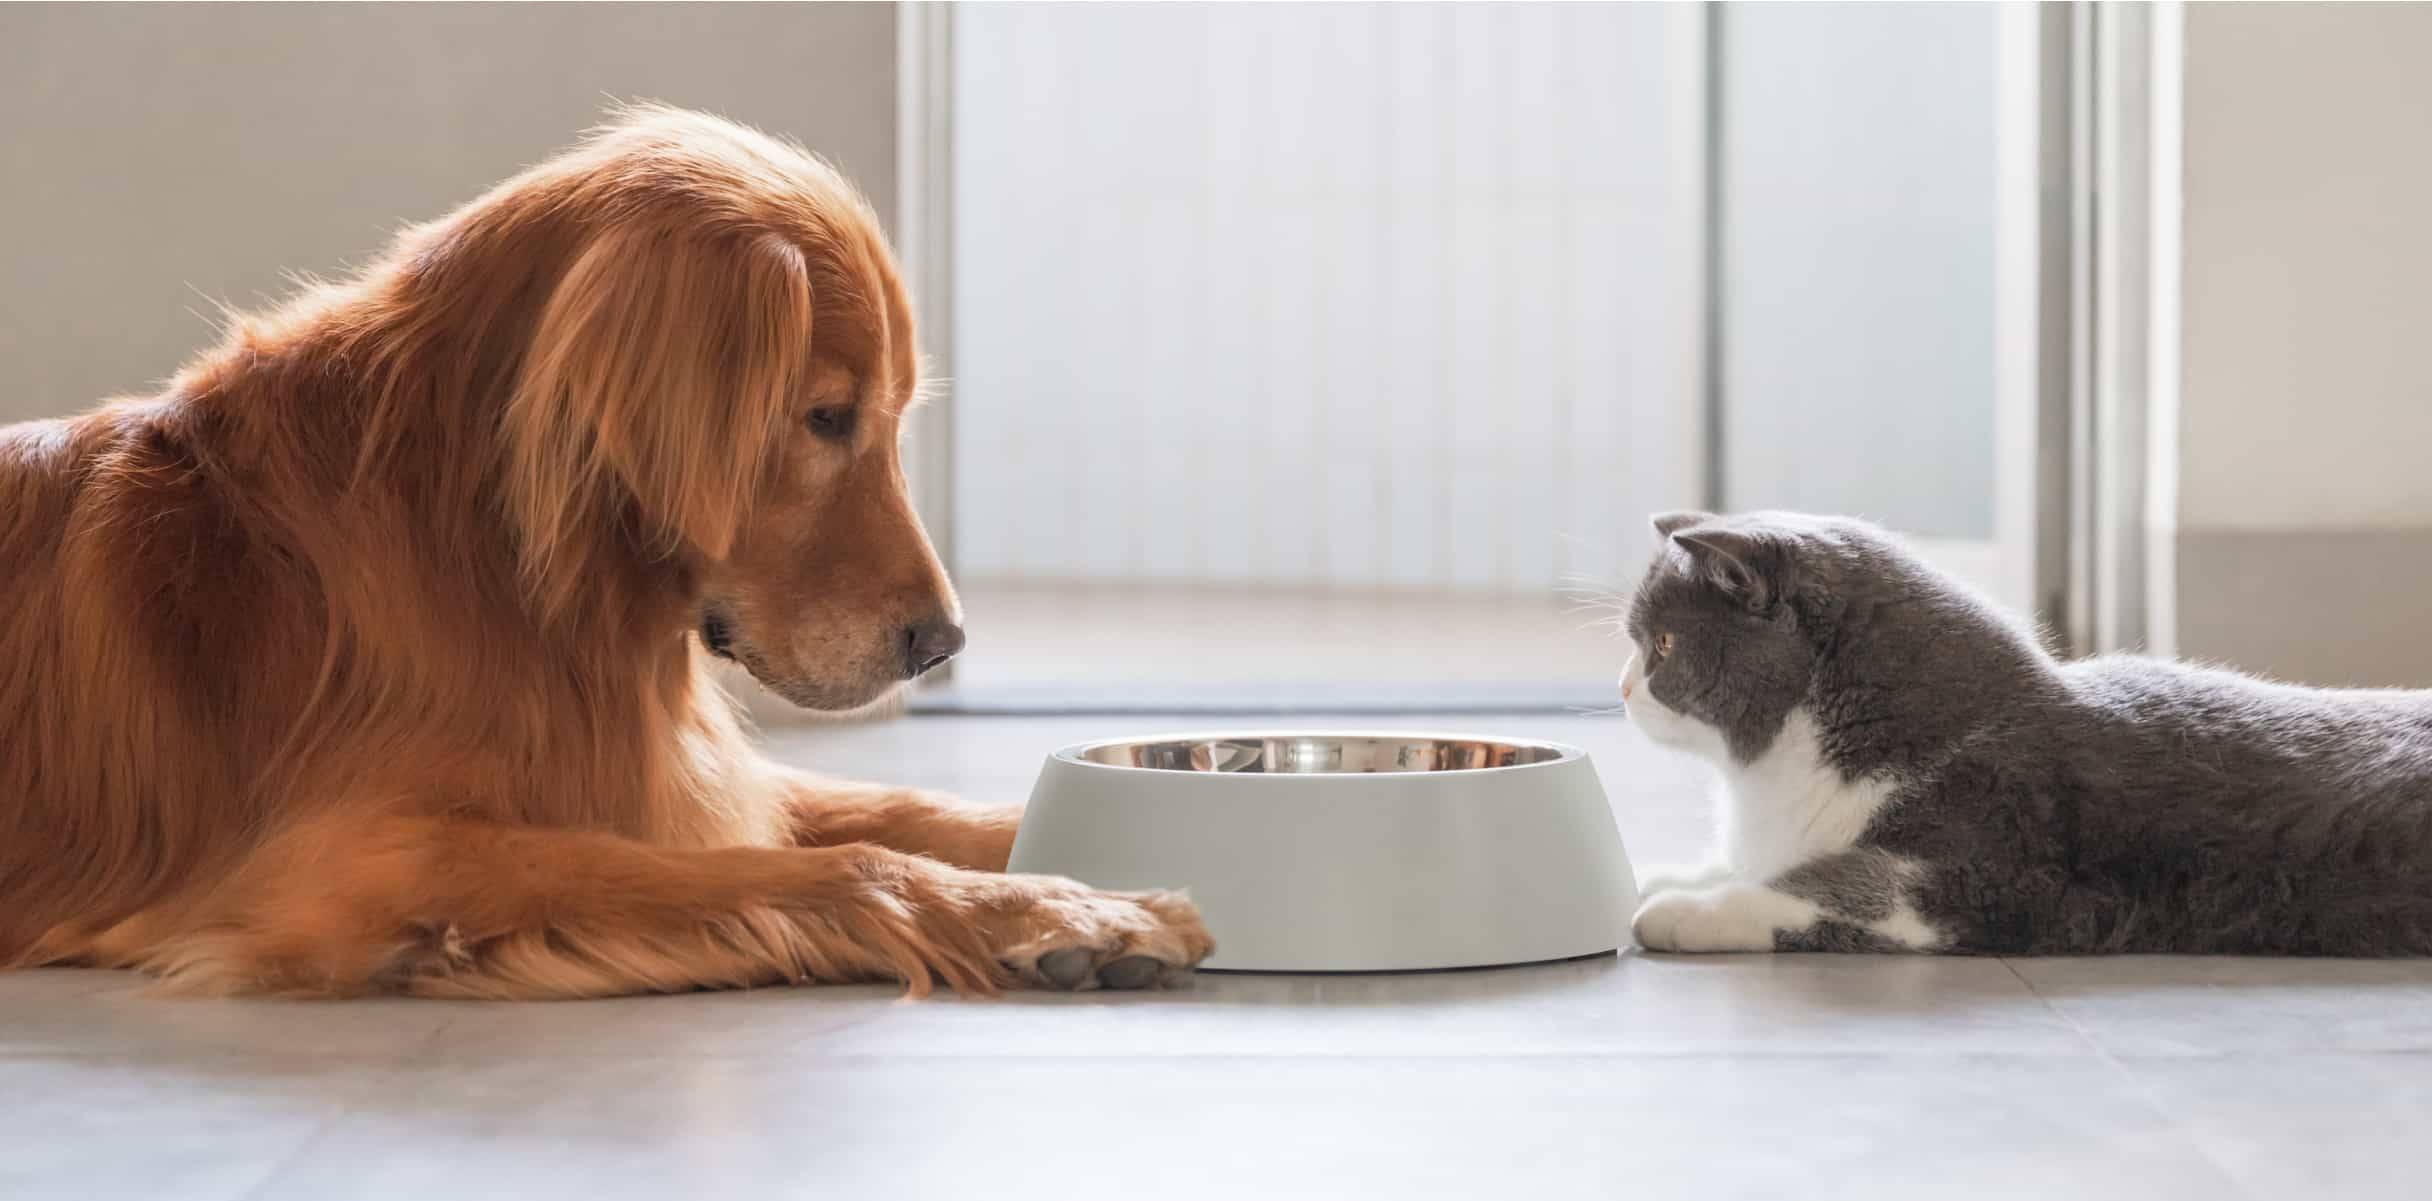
720	371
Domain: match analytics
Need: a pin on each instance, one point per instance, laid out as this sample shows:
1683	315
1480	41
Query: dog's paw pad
1066	968
1131	971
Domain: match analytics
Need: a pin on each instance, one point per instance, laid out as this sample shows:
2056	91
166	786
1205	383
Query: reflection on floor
1756	1076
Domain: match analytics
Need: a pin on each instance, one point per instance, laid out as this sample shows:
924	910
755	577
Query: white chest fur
1785	808
1788	805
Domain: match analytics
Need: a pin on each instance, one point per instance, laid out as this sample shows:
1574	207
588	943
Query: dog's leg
834	812
447	907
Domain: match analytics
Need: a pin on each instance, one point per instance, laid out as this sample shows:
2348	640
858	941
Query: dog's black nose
929	643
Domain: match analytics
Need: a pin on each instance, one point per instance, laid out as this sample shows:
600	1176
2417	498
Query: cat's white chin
1668	727
1662	724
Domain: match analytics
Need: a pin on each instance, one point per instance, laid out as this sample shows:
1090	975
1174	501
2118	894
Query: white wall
154	159
2307	293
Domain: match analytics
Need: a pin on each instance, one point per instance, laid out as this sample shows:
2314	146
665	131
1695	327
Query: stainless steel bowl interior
1286	754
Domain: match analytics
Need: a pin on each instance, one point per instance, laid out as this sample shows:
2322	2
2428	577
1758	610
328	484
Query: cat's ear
1664	525
1738	562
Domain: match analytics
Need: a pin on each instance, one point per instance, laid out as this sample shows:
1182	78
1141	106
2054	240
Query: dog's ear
664	367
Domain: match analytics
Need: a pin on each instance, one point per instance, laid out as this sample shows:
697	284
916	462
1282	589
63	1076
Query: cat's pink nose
1625	688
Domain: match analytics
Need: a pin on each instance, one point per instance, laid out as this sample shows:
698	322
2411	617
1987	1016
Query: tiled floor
1795	1076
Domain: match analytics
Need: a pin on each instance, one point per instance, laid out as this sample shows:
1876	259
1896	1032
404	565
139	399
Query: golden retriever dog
369	656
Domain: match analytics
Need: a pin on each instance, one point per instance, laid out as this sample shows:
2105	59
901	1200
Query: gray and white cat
1906	769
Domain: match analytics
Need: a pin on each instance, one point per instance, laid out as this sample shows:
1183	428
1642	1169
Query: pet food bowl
1346	852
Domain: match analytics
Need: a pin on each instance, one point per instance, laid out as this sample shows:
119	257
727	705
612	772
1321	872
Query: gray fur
1832	935
2111	804
1862	884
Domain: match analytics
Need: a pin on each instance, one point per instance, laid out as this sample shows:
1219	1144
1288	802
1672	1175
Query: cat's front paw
1728	917
1677	877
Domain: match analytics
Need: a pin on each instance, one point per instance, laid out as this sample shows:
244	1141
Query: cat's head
1735	613
1743	620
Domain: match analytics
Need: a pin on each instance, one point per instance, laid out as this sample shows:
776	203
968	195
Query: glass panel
1859	219
1333	336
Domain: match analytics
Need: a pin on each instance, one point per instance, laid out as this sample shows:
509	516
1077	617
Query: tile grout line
2142	1091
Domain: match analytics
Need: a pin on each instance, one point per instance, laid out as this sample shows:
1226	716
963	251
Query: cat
1905	768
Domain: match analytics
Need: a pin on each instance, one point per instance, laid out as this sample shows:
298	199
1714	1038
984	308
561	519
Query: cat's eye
833	422
1663	645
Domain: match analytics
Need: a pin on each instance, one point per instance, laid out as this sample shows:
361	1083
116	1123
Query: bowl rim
1072	753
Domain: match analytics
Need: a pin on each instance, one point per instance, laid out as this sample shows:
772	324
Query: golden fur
366	656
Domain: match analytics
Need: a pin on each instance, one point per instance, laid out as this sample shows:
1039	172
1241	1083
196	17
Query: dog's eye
834	422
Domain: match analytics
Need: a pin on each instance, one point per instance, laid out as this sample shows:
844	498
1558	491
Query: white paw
1673	877
1728	917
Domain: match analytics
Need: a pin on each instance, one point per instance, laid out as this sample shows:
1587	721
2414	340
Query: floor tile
196	1129
2341	1127
2209	1005
758	1023
1722	1128
1636	1005
58	1011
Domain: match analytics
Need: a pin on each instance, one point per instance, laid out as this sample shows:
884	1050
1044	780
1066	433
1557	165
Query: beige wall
2307	297
2305	415
153	157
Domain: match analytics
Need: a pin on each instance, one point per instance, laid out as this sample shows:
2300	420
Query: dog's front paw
1075	938
1728	917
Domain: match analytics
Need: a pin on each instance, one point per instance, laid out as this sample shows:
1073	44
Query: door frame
2126	486
2105	568
924	238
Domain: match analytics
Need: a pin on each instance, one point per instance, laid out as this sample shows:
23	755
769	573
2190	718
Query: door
1883	229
